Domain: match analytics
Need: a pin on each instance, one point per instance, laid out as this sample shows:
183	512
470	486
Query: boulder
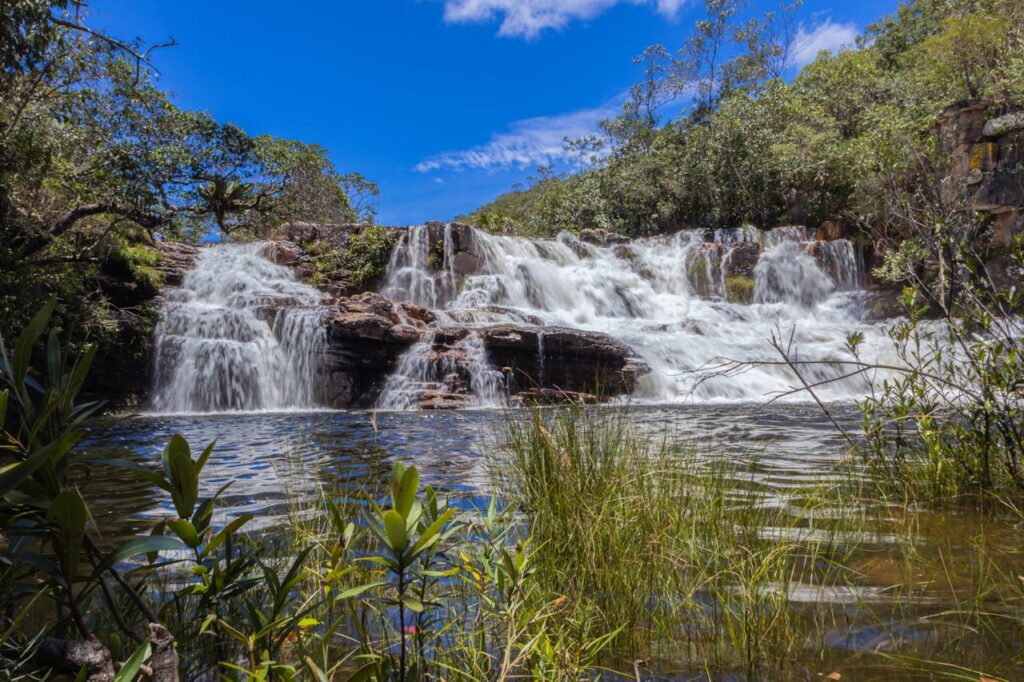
830	230
562	359
366	335
601	237
740	259
176	259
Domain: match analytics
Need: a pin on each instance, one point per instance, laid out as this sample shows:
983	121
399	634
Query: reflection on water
896	603
267	455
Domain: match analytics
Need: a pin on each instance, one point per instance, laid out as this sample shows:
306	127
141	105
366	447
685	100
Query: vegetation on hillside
748	146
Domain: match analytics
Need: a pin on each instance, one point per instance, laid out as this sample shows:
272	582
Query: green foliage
96	163
365	256
368	254
739	289
947	424
613	548
754	148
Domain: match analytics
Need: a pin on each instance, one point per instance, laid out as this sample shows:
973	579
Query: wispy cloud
827	35
527	18
528	142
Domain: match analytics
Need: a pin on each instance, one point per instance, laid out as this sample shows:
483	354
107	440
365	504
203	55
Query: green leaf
368	672
12	477
131	667
146	545
225	532
403	491
318	674
203	458
413	604
360	589
27	340
181	472
432	530
67	513
185	530
394	525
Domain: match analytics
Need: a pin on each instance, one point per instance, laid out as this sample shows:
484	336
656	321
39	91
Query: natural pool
936	593
269	454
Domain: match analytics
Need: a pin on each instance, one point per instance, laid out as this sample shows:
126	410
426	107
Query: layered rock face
985	152
369	334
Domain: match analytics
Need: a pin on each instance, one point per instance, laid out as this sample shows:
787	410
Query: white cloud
529	142
828	35
527	18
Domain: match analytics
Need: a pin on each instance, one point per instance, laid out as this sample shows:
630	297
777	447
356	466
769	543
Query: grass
608	550
684	558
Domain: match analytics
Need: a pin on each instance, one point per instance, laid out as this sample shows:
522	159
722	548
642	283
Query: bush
739	289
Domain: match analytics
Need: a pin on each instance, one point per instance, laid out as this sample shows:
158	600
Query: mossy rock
739	289
697	270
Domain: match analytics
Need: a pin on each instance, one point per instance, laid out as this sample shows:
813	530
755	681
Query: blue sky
444	103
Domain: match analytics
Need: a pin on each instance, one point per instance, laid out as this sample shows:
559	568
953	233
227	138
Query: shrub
739	289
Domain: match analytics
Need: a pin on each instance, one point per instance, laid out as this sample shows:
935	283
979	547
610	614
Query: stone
1002	125
176	259
740	259
573	359
286	253
830	230
366	336
601	237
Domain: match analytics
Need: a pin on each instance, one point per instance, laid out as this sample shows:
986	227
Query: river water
272	456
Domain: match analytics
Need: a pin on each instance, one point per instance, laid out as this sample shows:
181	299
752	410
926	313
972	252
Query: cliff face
121	373
985	152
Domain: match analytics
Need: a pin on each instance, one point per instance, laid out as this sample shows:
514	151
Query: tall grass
686	558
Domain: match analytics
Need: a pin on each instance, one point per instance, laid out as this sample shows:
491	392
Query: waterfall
456	372
239	334
664	297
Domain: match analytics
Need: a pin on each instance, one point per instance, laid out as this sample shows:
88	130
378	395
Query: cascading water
239	334
664	297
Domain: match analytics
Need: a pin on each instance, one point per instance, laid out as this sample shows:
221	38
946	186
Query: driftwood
70	656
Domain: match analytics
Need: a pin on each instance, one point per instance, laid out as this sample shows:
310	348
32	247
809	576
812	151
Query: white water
221	344
645	295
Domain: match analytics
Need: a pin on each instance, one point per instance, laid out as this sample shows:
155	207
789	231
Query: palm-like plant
223	197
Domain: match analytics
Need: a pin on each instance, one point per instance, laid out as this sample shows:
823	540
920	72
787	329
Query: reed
686	557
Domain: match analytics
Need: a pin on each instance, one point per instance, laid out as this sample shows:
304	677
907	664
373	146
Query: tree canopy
95	157
747	146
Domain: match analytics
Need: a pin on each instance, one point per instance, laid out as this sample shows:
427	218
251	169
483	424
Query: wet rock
465	258
563	359
442	400
366	335
740	260
176	259
601	237
830	230
703	269
286	253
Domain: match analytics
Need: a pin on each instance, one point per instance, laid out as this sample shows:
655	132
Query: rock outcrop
366	335
176	259
601	237
985	152
563	359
